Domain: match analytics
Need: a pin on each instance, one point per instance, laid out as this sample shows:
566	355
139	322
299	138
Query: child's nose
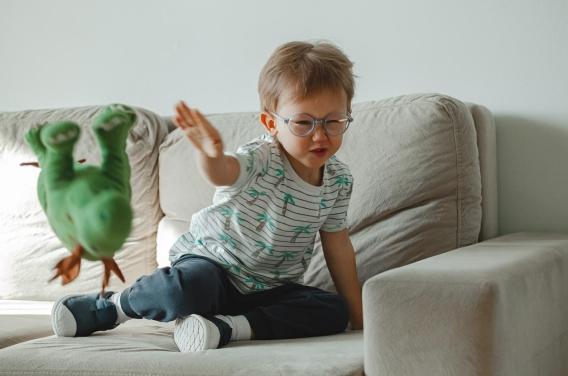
319	132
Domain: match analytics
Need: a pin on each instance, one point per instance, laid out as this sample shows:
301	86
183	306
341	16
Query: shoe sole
62	320
195	333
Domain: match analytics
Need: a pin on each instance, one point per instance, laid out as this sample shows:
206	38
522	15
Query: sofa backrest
415	159
487	147
28	247
417	189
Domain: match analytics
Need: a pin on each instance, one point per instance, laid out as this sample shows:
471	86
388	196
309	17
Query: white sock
240	327
121	316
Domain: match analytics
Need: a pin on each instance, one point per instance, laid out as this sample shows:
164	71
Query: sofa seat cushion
141	347
28	246
22	320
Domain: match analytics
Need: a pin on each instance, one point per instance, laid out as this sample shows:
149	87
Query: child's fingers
179	122
198	130
189	132
184	112
178	119
203	122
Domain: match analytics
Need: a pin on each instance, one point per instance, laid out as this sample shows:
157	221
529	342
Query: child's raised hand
198	130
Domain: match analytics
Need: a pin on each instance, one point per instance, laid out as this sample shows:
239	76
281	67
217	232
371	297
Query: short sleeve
337	217
252	158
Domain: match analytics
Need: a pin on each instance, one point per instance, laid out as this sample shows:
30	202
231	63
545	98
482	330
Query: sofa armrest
499	307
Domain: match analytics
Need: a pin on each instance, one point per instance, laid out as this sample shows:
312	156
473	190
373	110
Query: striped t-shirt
262	228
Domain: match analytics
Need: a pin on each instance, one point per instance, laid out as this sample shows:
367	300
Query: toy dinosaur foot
69	267
33	139
61	135
110	266
114	120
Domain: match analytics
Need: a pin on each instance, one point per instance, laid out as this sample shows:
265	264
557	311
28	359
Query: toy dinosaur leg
110	266
59	140
111	128
69	267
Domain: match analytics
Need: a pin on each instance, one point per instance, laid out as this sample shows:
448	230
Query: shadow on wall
532	162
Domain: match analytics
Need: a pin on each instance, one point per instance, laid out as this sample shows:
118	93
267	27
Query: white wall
511	56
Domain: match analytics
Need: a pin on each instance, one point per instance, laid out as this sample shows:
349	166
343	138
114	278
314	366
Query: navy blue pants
195	284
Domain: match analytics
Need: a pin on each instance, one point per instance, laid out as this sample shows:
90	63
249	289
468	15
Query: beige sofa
443	295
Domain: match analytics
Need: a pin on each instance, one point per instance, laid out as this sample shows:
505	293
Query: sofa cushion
417	189
142	347
22	320
28	246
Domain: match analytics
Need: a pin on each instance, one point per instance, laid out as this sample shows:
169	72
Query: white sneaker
196	333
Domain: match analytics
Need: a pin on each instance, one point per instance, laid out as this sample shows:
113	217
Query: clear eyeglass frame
303	125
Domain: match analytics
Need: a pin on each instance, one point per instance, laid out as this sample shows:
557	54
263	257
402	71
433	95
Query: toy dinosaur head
103	224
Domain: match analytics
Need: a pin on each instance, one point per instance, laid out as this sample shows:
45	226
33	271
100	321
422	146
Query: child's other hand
198	130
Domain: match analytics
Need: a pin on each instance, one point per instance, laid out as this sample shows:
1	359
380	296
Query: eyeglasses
303	125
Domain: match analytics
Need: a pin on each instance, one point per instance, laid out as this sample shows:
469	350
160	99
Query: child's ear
268	122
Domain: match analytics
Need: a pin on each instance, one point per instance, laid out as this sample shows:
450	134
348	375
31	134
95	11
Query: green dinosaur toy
88	207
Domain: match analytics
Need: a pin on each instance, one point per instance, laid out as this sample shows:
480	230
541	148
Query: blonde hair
306	68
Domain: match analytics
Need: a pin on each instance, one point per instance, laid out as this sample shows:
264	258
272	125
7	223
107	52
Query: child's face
307	154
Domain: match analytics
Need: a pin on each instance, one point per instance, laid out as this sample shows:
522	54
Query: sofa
443	292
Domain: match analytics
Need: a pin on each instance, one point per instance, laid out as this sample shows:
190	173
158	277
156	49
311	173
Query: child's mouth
319	152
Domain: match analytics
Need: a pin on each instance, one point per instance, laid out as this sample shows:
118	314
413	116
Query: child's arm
340	258
218	168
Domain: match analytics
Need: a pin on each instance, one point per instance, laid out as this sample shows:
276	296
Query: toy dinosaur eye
69	218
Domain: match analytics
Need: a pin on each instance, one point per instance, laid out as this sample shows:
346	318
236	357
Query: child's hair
306	68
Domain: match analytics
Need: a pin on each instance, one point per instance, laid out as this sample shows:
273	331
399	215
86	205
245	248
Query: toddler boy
235	274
